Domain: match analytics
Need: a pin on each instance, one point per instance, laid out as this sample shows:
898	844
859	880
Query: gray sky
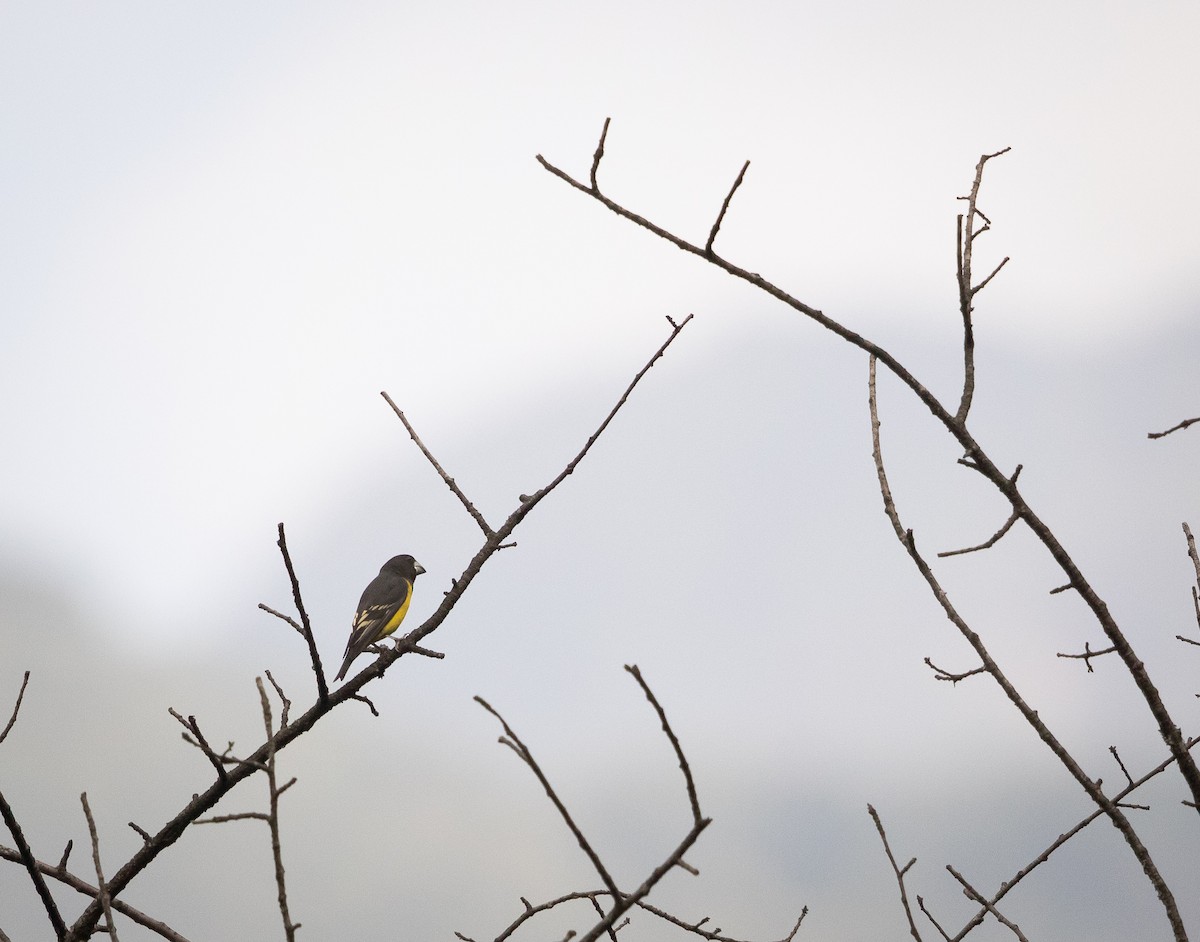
227	228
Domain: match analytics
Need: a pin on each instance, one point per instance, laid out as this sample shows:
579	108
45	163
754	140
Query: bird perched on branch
383	605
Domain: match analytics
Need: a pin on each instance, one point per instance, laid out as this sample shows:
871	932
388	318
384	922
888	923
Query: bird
383	605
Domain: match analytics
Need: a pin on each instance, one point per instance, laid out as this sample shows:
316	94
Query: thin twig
929	916
1124	771
716	226
283	700
666	727
988	543
450	482
513	741
105	902
288	618
313	653
995	537
898	871
16	707
1174	428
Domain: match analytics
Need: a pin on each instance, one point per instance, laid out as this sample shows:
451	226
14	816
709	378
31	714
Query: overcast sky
224	228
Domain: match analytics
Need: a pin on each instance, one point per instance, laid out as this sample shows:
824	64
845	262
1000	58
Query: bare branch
25	856
450	482
1167	727
105	902
1174	428
898	871
1118	818
16	707
716	226
513	741
313	653
666	727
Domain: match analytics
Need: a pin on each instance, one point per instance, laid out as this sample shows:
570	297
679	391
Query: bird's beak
418	568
